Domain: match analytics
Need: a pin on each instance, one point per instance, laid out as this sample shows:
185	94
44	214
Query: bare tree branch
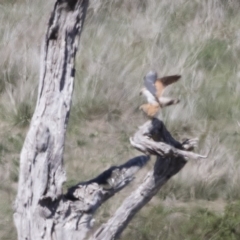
112	180
41	210
153	138
169	162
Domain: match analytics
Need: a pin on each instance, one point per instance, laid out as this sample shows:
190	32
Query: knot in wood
67	5
42	138
169	152
89	196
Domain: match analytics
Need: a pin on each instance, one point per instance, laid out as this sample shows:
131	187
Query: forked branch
42	211
152	138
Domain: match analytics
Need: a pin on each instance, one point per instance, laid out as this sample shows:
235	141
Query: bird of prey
153	91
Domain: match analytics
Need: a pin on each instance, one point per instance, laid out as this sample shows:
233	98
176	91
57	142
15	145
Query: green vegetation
195	223
121	41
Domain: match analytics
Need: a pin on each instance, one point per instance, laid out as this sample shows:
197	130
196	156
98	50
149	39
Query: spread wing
163	82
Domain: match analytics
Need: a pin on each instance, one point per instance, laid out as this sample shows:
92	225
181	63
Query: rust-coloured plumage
153	91
162	83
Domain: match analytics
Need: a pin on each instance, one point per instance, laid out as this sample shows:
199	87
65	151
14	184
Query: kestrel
153	90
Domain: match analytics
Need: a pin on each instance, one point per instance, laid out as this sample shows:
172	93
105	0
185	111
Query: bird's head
151	75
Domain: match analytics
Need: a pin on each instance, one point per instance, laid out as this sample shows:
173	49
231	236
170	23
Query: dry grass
122	40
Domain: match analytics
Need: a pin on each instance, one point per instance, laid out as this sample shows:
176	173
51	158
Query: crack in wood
41	210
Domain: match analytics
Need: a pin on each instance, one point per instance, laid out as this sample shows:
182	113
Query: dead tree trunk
41	169
42	211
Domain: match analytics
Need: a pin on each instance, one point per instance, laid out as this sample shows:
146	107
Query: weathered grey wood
153	138
112	180
171	158
42	211
74	213
41	170
164	168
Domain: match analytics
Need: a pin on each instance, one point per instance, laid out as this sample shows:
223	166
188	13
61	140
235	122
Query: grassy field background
121	42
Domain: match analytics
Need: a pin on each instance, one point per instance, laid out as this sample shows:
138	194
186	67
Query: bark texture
41	170
42	211
151	138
